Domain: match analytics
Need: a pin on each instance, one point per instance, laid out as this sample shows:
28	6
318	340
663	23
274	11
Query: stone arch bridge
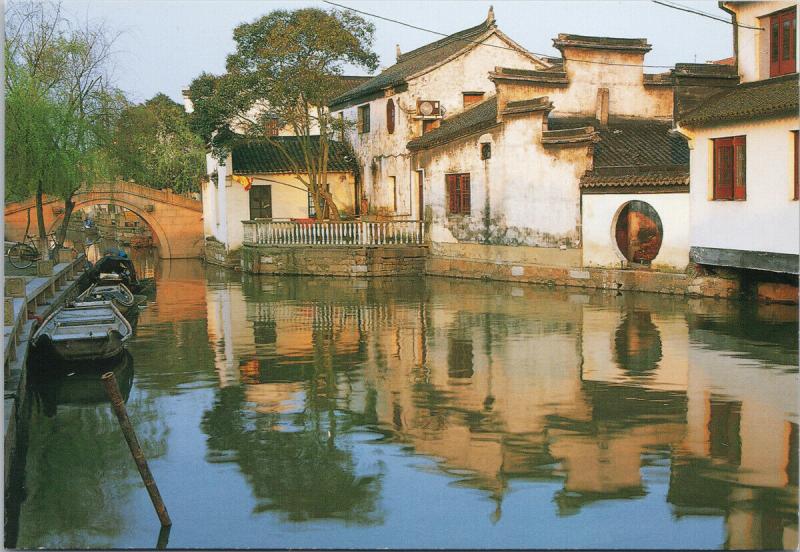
175	220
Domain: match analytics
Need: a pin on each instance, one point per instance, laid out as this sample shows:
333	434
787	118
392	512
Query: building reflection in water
501	384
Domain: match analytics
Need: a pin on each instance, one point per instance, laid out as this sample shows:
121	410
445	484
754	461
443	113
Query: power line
679	7
489	45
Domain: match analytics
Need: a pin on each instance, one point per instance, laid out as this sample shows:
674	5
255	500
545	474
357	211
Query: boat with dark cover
83	332
116	261
110	289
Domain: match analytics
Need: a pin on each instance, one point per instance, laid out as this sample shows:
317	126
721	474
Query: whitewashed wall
600	211
524	195
769	219
468	72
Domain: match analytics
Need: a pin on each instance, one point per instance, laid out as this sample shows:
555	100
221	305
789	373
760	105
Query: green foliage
60	108
154	146
286	68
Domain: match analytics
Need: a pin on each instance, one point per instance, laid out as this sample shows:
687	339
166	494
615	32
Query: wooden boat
117	262
84	332
106	290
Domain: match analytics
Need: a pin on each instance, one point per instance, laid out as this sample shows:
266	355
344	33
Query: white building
410	99
744	143
557	164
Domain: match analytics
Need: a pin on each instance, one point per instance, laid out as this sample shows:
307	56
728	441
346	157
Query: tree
287	67
154	146
60	107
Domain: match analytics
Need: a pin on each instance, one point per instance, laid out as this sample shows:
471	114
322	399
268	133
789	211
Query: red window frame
273	128
782	38
472	98
730	168
390	116
458	194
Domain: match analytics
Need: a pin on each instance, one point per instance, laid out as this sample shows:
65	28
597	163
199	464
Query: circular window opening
638	232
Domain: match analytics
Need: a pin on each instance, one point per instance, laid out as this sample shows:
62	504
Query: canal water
321	412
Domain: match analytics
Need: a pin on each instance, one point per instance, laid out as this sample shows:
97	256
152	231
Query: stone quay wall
383	260
597	278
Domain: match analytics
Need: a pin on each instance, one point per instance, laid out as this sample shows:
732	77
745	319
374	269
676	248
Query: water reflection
334	412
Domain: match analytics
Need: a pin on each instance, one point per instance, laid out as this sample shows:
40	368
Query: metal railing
336	233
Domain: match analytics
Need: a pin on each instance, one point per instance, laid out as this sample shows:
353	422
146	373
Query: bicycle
24	253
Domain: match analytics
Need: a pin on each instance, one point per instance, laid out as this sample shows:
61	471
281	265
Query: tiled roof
776	96
528	106
567	136
478	117
601	43
553	76
630	142
658	79
262	157
637	177
413	62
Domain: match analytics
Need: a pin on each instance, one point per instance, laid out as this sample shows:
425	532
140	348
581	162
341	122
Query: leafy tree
287	67
154	146
60	107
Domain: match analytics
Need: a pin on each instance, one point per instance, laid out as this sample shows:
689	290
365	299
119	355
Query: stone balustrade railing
333	233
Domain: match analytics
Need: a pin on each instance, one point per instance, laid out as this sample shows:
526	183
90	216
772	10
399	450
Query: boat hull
93	348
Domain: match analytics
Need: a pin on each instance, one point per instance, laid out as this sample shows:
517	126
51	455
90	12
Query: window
429	125
486	151
782	49
363	119
260	202
272	126
458	194
730	168
472	97
796	162
390	116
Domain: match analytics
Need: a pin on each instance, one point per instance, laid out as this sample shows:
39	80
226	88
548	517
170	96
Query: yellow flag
246	181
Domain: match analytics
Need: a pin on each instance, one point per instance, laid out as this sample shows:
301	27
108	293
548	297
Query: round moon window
638	232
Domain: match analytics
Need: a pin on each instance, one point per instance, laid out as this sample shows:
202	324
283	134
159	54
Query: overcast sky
164	44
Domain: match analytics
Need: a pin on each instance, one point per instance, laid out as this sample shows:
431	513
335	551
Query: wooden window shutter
452	193
774	45
723	168
739	168
390	116
465	194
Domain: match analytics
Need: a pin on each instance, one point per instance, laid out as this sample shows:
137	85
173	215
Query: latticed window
260	202
458	194
363	119
390	116
730	168
273	127
782	47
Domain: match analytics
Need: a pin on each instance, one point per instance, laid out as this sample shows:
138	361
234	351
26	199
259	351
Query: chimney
490	16
397	52
601	111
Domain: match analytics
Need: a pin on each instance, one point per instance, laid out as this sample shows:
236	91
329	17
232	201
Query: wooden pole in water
112	389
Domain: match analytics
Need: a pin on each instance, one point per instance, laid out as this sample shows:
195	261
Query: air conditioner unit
428	108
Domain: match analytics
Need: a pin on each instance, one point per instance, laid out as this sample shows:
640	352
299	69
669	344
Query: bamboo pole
112	389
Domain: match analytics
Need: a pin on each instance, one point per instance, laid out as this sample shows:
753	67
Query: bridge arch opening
160	240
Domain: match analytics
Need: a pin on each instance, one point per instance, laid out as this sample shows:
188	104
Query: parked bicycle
24	253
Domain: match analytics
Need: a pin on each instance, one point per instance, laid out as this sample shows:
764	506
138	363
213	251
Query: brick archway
175	219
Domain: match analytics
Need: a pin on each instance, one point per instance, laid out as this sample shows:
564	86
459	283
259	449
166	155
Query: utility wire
679	7
490	45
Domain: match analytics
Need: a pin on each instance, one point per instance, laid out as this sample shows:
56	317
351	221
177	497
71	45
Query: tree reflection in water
300	472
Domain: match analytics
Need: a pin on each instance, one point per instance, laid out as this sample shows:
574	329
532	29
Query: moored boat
83	332
106	290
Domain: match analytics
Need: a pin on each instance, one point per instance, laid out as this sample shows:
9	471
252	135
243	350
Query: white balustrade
334	233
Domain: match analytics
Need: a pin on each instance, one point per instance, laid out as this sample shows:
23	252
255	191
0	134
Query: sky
164	44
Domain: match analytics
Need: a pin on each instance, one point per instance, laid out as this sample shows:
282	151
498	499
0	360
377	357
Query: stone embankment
28	298
388	260
379	260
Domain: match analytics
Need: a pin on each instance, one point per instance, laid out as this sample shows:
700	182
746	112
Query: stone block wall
348	261
214	253
597	278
